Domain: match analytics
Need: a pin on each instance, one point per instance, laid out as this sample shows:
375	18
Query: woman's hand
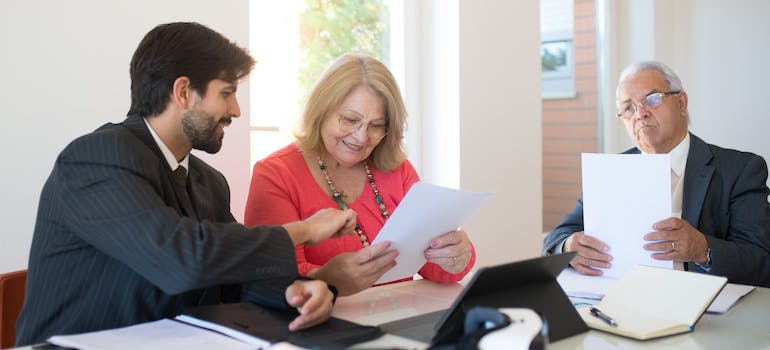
451	251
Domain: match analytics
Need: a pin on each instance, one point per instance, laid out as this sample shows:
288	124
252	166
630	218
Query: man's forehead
642	82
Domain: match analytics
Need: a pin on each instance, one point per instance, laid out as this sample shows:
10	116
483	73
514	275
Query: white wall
480	116
64	66
723	59
500	125
439	93
471	85
719	48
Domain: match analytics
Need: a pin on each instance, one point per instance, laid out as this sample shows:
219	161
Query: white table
745	326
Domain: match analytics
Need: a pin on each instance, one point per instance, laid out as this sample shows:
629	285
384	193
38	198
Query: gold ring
673	246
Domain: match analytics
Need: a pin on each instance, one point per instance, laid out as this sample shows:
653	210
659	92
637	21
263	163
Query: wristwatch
708	257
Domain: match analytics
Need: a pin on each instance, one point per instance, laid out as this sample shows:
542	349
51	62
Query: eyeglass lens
348	124
650	101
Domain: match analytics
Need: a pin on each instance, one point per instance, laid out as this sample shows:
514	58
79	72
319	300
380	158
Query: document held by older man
623	196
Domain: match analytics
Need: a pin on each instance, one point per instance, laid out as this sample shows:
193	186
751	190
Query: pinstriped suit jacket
118	242
725	198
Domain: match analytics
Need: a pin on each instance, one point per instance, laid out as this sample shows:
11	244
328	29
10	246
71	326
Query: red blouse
283	190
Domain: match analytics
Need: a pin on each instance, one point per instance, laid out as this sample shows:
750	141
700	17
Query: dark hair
188	49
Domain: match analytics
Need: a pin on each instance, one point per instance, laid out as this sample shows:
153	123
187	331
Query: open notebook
649	302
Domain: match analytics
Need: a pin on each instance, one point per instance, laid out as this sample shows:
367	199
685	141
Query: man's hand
313	300
591	253
451	251
325	223
677	240
353	272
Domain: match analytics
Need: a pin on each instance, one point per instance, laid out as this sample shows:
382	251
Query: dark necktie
180	174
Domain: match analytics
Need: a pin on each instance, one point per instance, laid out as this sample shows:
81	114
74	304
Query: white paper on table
230	332
623	195
578	285
161	334
427	211
728	297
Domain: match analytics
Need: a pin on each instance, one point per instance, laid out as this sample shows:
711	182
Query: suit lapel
696	180
137	126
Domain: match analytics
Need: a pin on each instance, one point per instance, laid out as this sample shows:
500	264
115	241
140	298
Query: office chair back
11	299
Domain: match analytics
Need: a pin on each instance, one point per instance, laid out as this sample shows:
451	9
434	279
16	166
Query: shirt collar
679	155
172	163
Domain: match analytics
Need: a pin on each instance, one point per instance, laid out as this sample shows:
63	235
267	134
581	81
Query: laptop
527	284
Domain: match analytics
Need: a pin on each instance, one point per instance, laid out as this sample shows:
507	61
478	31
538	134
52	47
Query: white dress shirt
172	163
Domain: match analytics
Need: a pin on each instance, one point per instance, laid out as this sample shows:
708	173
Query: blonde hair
348	72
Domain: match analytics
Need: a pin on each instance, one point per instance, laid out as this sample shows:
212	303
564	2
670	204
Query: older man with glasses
720	221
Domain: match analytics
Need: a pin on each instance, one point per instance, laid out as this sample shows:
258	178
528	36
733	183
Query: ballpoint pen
602	316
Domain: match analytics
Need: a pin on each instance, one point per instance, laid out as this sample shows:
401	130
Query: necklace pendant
337	197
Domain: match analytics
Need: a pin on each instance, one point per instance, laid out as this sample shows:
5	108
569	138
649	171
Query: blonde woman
350	154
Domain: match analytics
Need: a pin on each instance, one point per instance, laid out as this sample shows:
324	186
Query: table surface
745	326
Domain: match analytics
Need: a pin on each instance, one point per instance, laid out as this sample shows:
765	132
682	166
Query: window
293	43
556	49
570	112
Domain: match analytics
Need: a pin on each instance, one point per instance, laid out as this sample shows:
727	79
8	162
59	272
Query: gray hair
673	81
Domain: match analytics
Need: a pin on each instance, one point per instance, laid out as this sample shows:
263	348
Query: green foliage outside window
329	28
553	56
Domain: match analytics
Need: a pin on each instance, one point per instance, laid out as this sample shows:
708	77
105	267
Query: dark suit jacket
725	198
118	242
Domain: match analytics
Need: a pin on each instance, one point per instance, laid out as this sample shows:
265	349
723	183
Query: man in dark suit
720	220
126	234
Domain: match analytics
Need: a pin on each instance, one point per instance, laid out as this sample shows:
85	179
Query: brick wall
570	126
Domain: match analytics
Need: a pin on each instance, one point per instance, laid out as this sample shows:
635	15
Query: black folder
526	284
273	325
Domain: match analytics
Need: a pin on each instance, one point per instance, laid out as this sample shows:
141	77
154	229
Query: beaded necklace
337	196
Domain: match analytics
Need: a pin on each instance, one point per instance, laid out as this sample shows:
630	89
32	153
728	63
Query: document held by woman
426	211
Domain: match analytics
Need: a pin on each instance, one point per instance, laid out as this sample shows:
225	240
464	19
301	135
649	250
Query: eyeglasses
352	124
649	102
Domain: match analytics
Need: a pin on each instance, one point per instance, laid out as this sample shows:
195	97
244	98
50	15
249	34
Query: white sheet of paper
230	332
427	211
578	285
728	297
623	195
161	334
